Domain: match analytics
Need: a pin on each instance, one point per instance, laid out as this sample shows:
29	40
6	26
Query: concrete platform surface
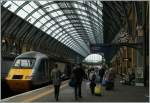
121	93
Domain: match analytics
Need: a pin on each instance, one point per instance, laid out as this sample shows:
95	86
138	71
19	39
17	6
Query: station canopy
77	24
93	58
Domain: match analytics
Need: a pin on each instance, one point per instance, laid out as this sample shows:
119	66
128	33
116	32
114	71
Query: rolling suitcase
98	90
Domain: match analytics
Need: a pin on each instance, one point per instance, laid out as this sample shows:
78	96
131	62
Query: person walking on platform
92	78
101	73
78	75
110	79
56	74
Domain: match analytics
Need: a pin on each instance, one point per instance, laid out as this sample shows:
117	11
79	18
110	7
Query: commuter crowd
95	78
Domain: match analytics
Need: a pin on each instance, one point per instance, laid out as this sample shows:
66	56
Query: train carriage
29	69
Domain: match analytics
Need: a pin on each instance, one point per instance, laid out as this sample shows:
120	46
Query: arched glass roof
93	58
77	24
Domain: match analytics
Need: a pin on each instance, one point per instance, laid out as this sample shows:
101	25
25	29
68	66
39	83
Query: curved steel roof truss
73	23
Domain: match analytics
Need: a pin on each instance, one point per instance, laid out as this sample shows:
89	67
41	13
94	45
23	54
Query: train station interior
39	35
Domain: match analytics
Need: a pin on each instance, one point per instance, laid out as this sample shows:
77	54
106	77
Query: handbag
72	83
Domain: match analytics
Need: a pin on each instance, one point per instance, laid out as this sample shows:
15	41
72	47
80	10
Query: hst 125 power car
28	70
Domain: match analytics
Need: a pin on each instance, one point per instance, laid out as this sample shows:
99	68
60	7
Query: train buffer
120	93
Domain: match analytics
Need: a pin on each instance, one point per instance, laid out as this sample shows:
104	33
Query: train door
46	70
41	70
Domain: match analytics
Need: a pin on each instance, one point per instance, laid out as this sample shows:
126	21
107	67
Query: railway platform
121	93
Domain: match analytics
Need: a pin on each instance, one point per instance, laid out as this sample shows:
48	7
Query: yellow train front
29	69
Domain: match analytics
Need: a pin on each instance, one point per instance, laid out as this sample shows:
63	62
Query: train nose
19	85
19	79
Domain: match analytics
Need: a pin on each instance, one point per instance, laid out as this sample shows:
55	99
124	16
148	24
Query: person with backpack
92	78
78	75
101	73
110	79
56	74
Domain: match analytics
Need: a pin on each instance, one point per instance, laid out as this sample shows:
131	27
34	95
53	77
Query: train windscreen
24	63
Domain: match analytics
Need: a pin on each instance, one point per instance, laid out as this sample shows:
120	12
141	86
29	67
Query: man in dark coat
79	74
101	73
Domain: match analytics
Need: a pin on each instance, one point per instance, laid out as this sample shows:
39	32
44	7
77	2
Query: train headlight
28	77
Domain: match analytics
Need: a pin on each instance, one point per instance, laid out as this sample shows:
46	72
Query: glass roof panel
49	31
22	13
71	29
69	41
52	22
74	35
48	8
58	35
54	14
47	17
94	7
81	1
100	4
33	4
60	12
83	13
28	8
43	20
48	24
56	26
63	36
100	12
41	11
61	18
62	23
7	4
55	6
76	5
38	24
36	15
44	28
53	28
11	6
67	38
31	20
42	2
18	2
58	30
67	22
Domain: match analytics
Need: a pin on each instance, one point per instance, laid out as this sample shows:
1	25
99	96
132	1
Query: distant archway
93	58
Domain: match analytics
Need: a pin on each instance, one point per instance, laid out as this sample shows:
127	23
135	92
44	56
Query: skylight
49	17
93	58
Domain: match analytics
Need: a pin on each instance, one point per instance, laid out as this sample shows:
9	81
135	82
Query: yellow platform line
43	94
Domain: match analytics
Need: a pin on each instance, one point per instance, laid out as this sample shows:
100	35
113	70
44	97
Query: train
29	69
